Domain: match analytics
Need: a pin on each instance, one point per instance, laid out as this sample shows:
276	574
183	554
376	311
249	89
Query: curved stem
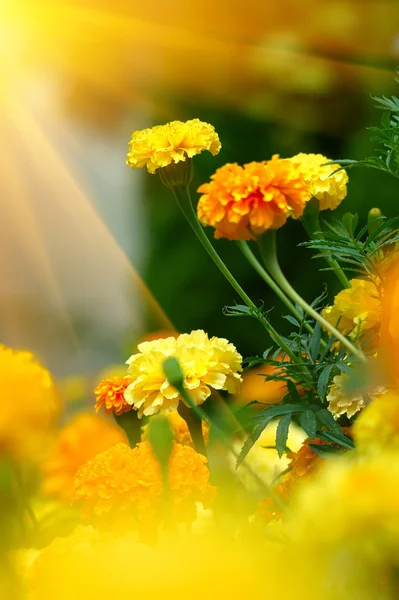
183	198
253	261
267	246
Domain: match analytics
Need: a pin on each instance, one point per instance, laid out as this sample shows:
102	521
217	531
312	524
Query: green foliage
362	251
386	137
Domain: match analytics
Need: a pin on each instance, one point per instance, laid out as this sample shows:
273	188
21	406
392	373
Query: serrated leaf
291	320
282	433
326	419
307	421
336	438
277	410
322	382
326	450
315	340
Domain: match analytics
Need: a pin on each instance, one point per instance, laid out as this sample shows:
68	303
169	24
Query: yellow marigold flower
110	395
29	405
206	363
341	402
241	202
344	525
84	436
127	482
377	427
357	312
328	189
159	146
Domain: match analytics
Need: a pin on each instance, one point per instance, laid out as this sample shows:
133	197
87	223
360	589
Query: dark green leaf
282	433
336	438
308	423
322	382
325	450
315	341
326	419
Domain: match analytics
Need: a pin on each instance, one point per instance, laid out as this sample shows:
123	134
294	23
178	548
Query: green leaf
282	433
325	450
315	342
308	423
326	419
336	438
322	382
263	420
350	222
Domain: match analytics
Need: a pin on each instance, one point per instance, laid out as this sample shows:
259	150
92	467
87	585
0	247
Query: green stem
267	246
253	261
183	198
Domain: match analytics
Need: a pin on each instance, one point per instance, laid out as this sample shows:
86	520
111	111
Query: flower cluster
124	483
205	362
342	400
159	146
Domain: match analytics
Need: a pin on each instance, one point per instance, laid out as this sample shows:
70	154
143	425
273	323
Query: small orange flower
241	202
110	395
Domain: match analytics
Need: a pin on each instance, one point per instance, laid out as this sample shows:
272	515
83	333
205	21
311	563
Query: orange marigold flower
241	202
84	436
127	483
110	395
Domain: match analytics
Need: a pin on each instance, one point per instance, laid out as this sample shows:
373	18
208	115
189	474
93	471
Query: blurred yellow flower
342	401
29	405
90	564
206	363
344	524
241	202
125	485
110	395
377	427
159	146
357	313
328	189
84	436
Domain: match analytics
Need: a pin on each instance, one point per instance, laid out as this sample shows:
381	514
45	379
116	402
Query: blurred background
94	256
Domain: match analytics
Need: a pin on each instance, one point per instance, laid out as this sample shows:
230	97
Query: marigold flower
377	427
129	481
159	146
206	363
357	313
241	202
328	188
344	524
84	436
29	405
341	401
110	395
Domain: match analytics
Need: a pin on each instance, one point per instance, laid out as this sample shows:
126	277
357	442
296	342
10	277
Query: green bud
160	436
173	372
